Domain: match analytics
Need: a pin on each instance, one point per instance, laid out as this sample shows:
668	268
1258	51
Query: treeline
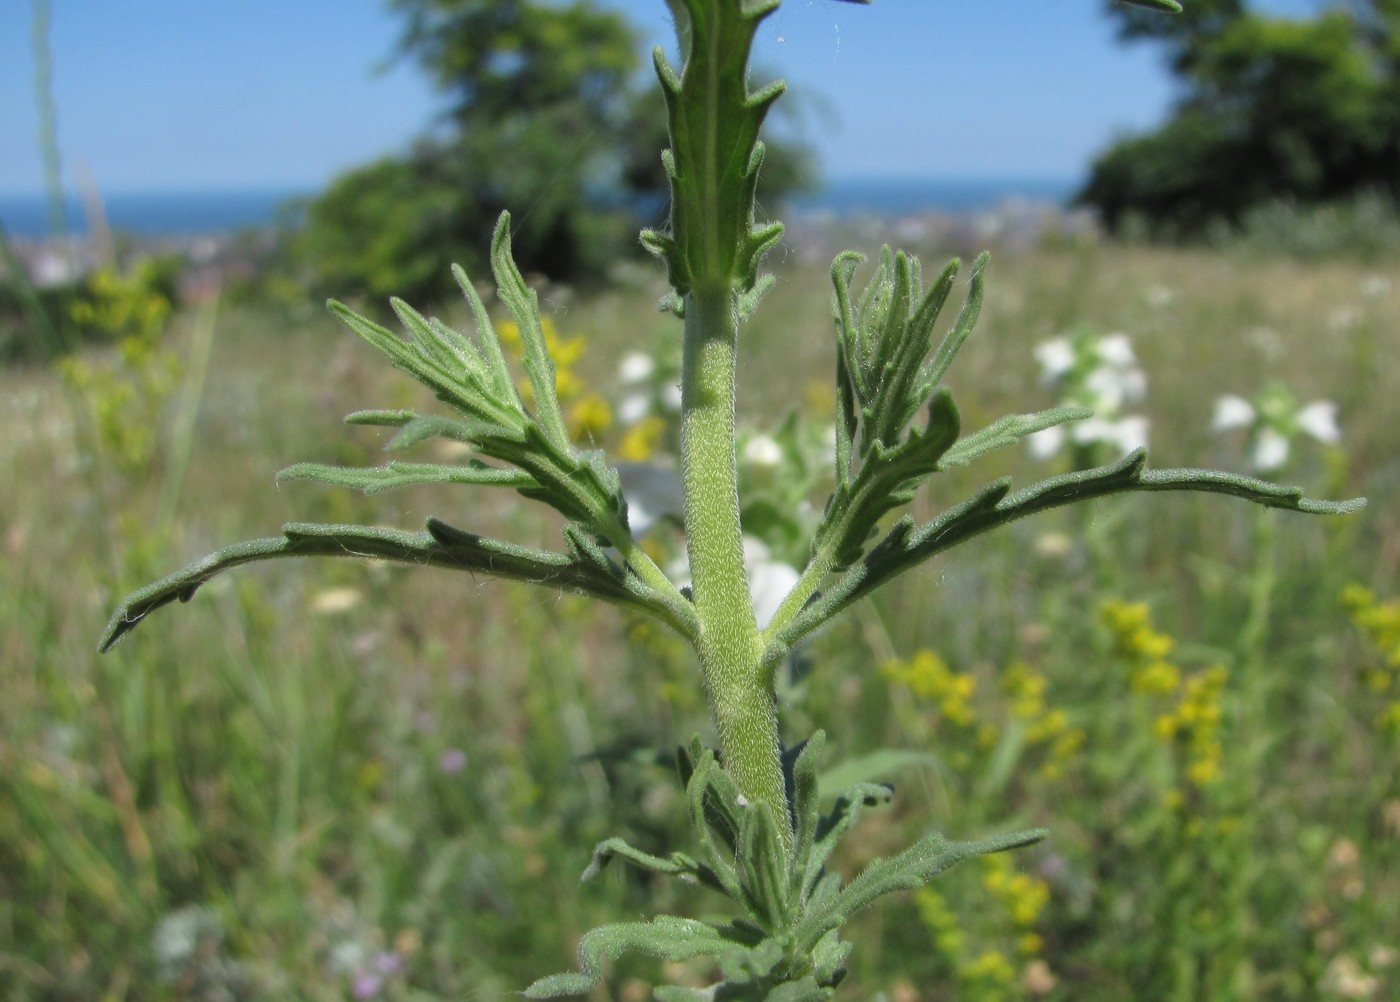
1305	111
549	114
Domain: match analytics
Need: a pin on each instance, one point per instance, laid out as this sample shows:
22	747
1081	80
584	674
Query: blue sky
167	94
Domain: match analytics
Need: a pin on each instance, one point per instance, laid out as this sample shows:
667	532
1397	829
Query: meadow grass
277	793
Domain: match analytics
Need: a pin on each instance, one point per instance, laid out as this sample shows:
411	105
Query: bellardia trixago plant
760	845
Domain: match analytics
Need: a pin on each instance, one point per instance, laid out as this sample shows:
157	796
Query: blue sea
157	214
897	197
188	213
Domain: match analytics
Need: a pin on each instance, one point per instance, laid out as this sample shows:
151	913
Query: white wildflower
770	580
633	407
1108	388
636	367
1273	421
1130	433
1319	419
1056	358
1116	350
1045	443
1125	434
1232	412
1271	449
763	451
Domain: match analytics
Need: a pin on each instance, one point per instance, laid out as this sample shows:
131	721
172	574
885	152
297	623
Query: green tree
537	93
544	117
1274	108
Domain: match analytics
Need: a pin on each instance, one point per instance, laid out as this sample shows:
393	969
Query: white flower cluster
1274	420
1100	373
645	389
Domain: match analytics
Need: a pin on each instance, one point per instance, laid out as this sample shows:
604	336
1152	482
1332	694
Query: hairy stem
741	696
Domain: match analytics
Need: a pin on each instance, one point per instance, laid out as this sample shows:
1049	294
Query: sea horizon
222	211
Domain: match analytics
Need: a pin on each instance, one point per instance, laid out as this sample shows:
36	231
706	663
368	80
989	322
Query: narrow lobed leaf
664	937
962	327
376	479
1007	431
381	419
524	305
489	345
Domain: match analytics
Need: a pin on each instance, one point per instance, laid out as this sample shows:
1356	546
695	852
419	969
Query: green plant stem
739	687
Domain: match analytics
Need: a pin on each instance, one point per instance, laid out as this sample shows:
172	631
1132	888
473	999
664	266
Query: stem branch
742	701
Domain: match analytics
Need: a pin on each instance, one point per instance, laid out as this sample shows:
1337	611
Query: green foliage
786	946
472	377
1366	227
544	118
764	842
1274	108
125	395
284	758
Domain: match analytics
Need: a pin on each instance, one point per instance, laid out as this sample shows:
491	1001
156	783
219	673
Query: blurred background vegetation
1304	112
340	780
548	116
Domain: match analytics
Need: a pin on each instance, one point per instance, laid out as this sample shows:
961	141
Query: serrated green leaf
962	327
664	937
375	479
489	346
763	865
380	418
448	387
677	865
905	546
1006	431
440	545
845	813
920	863
524	305
709	817
806	805
909	870
420	429
713	122
426	340
829	957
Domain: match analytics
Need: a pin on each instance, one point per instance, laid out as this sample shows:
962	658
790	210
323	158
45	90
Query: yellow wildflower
642	440
589	419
